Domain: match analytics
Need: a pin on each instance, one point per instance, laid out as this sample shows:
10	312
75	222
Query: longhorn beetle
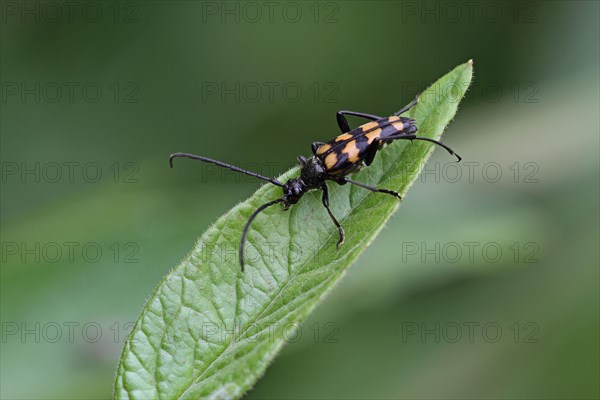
333	160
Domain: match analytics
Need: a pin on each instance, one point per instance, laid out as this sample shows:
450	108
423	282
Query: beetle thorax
313	173
312	176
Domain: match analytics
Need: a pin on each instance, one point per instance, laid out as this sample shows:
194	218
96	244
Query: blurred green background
481	286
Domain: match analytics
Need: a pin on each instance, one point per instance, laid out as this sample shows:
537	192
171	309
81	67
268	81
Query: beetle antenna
224	165
254	214
448	149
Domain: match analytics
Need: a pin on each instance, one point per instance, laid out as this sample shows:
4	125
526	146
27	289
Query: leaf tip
470	62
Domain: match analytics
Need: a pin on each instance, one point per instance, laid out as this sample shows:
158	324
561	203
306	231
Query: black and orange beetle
333	160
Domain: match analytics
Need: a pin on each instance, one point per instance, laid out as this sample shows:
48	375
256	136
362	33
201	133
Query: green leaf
209	330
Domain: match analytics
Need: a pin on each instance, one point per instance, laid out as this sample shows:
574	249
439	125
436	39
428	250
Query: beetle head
293	190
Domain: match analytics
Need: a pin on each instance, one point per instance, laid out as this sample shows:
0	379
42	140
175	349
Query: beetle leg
372	151
343	122
371	188
409	106
315	146
335	221
412	137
